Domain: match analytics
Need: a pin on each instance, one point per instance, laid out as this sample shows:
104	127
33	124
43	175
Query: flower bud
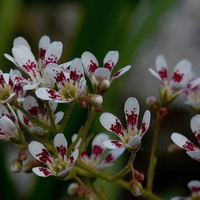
103	86
16	165
95	100
152	103
22	155
136	187
139	175
72	189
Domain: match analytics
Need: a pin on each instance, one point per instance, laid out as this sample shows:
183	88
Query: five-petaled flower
168	91
70	85
101	76
11	86
58	165
130	138
96	159
194	187
183	142
24	59
31	105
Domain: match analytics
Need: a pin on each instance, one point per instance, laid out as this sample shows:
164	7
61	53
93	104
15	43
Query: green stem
66	117
152	163
126	185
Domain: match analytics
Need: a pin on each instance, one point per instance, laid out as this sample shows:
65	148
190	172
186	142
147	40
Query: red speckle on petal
42	53
195	189
109	65
44	156
117	128
51	59
44	171
74	76
2	81
26	121
163	73
132	118
117	143
34	111
143	129
97	151
1	132
93	66
177	77
52	94
60	78
188	145
30	67
108	158
62	151
71	160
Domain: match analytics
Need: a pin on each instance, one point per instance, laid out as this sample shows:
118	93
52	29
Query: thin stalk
66	117
152	163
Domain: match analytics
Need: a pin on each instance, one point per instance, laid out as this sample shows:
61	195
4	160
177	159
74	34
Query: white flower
130	138
58	165
101	76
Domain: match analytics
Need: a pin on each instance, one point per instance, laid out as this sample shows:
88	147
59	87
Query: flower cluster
29	106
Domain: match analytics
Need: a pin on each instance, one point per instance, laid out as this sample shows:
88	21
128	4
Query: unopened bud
16	165
80	191
103	86
95	100
136	187
152	103
163	112
22	155
139	175
72	189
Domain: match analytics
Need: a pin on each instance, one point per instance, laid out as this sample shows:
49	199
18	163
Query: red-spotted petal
42	171
131	111
181	69
120	72
145	123
53	52
194	187
48	94
161	67
195	126
97	146
183	142
73	157
60	144
90	62
113	124
113	144
113	155
43	45
39	152
3	111
111	60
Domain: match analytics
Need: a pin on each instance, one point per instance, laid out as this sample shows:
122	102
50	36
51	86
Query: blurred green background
129	26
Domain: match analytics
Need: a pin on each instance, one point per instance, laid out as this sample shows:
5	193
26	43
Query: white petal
113	155
7	126
111	60
48	94
113	124
58	117
145	123
195	126
194	154
113	144
42	171
3	111
120	72
73	157
183	142
161	67
102	74
60	144
131	111
135	141
44	42
90	61
154	73
21	41
39	152
64	172
194	184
